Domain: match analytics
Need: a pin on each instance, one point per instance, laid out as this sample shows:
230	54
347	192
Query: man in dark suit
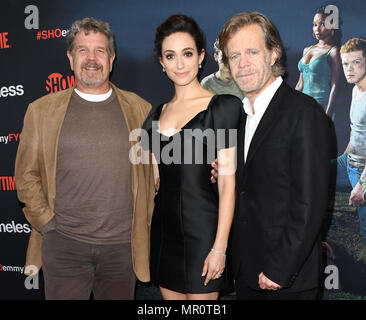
283	169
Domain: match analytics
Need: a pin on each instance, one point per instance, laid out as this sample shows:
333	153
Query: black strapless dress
184	222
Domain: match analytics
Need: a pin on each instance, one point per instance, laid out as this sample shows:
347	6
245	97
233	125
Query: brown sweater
93	177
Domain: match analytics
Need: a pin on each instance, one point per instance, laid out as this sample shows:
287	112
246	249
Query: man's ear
111	59
275	54
71	59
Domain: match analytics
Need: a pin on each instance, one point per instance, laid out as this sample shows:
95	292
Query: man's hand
214	171
267	284
356	198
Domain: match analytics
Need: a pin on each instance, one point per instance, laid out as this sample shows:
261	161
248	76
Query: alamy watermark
32	20
32	279
332	20
188	146
331	282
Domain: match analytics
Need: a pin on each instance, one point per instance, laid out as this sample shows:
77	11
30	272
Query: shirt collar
262	101
94	97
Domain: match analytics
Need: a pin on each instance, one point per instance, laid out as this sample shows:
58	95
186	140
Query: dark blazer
282	194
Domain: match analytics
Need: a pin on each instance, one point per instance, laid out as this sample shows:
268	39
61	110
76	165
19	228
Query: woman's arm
156	174
300	83
335	64
214	264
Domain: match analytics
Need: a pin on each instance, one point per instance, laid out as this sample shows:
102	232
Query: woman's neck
188	91
324	43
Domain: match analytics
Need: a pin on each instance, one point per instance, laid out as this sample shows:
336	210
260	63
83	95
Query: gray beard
90	82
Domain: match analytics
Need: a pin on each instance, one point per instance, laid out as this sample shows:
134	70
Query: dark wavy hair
179	23
337	35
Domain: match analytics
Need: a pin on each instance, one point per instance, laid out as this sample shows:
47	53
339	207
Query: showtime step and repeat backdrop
33	63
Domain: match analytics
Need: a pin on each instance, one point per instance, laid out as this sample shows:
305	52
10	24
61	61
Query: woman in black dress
192	217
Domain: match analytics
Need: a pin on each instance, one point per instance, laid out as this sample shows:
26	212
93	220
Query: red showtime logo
51	34
4	41
57	82
7	183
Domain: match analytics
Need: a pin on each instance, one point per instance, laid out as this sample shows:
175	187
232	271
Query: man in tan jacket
89	206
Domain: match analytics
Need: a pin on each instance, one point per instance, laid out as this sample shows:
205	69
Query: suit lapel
241	141
269	119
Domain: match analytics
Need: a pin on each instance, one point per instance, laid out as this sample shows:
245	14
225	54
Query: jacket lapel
241	141
130	114
268	120
128	110
52	123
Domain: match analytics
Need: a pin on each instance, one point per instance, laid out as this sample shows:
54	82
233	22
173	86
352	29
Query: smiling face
319	30
250	61
91	62
354	66
180	58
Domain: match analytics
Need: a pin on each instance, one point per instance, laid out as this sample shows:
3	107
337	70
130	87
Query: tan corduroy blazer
35	173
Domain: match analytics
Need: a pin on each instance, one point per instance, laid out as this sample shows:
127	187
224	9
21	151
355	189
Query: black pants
73	269
244	292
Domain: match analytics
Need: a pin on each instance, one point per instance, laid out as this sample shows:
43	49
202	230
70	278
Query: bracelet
218	252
